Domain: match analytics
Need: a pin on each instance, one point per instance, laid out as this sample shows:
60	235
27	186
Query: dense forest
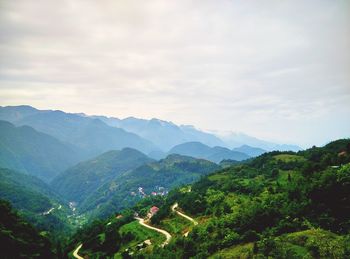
19	239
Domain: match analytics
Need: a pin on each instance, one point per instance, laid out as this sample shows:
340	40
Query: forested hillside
79	181
18	238
35	201
279	205
155	178
27	150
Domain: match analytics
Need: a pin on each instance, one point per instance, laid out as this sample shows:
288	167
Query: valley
174	129
193	201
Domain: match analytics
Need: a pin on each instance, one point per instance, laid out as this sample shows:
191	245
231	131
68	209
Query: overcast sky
277	70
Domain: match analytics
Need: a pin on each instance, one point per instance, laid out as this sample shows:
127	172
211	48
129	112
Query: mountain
16	113
18	238
157	177
91	136
214	154
25	192
238	139
163	133
27	150
277	205
250	151
97	134
79	181
34	199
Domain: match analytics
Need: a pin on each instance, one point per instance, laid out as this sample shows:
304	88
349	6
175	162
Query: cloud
278	69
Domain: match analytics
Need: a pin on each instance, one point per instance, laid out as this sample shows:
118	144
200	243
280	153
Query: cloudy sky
277	70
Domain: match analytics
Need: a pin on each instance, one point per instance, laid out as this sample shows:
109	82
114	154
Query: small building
153	210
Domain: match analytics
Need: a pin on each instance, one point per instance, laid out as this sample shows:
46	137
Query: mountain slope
18	238
34	199
77	182
215	154
250	151
278	205
124	190
27	150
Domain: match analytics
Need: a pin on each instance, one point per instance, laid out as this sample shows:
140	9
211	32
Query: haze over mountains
62	171
154	130
45	143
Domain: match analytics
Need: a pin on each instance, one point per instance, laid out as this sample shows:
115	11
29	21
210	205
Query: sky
276	70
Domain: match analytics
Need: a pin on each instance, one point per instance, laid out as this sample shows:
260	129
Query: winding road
142	222
75	253
165	233
173	208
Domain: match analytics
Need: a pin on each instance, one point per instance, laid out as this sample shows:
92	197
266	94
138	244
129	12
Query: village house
152	211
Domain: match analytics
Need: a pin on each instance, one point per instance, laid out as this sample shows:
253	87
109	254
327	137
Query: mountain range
215	154
152	135
45	143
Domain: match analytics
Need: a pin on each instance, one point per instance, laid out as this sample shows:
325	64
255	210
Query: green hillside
18	238
35	201
123	190
27	150
279	205
79	181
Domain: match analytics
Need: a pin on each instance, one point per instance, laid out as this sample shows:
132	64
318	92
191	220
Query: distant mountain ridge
234	140
214	154
98	134
250	151
90	135
163	133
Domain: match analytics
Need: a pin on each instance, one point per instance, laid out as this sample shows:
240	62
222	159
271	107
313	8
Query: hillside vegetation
279	205
124	191
18	238
79	181
35	201
27	150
